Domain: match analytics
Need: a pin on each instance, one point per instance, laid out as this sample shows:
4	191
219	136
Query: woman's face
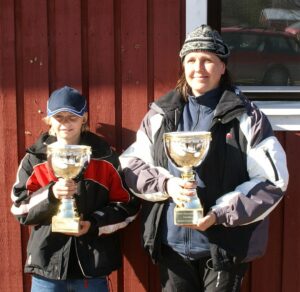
67	127
203	71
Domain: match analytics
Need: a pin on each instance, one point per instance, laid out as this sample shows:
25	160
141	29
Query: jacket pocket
221	259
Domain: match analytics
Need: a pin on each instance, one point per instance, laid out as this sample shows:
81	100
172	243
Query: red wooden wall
122	54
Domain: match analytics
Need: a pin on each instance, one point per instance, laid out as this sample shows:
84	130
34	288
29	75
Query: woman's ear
223	68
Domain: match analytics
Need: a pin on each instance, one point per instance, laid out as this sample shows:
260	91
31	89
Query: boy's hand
64	188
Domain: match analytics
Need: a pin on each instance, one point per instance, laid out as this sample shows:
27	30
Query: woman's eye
190	60
207	61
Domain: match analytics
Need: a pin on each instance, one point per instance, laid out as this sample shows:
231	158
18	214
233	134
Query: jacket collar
232	103
171	101
230	106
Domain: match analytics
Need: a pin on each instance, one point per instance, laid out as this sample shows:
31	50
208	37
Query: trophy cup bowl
67	161
187	150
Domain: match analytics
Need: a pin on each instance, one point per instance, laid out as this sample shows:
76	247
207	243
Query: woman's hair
47	121
183	87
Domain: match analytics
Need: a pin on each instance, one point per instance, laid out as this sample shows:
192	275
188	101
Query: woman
60	261
241	180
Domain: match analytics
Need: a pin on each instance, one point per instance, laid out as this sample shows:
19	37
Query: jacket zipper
176	119
75	241
187	251
58	266
272	164
198	118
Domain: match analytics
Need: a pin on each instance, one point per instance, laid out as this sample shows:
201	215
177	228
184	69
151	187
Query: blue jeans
41	284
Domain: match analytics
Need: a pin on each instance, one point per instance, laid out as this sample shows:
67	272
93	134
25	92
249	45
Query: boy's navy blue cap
66	99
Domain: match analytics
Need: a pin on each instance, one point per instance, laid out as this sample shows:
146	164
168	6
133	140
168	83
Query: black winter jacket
241	189
102	199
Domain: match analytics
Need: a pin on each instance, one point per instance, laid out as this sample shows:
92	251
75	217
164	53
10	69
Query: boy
81	261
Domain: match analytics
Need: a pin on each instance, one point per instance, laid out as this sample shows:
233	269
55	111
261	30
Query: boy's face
67	127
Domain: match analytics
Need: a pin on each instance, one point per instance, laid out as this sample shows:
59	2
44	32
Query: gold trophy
67	161
187	150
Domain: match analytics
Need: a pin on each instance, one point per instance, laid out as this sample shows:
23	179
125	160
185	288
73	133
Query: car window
232	40
241	41
278	44
295	45
249	42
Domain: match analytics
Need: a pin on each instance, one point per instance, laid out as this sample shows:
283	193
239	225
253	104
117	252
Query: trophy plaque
187	150
67	161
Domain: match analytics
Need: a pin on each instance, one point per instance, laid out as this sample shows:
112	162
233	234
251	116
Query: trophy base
184	216
65	225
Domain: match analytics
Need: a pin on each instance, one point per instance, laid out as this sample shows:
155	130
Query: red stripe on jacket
100	171
104	173
40	177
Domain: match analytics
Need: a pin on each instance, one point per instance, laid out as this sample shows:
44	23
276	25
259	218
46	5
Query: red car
263	57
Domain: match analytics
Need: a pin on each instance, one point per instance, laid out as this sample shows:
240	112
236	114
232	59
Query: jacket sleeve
122	208
267	168
33	201
143	178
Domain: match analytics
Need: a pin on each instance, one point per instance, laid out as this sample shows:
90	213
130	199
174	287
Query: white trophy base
184	216
65	225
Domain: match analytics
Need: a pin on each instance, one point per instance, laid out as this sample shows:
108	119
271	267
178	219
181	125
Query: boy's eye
61	118
58	117
73	118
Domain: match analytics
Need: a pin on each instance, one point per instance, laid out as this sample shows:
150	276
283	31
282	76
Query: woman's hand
180	190
64	188
205	222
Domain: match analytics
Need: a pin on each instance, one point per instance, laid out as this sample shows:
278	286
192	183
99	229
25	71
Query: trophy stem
188	174
67	219
193	210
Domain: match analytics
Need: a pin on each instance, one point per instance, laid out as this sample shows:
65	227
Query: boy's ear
85	118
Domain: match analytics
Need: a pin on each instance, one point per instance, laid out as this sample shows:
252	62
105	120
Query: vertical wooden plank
134	66
101	69
136	273
34	67
168	34
291	220
64	26
270	265
10	242
133	29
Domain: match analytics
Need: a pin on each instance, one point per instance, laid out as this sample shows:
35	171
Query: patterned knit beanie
204	38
